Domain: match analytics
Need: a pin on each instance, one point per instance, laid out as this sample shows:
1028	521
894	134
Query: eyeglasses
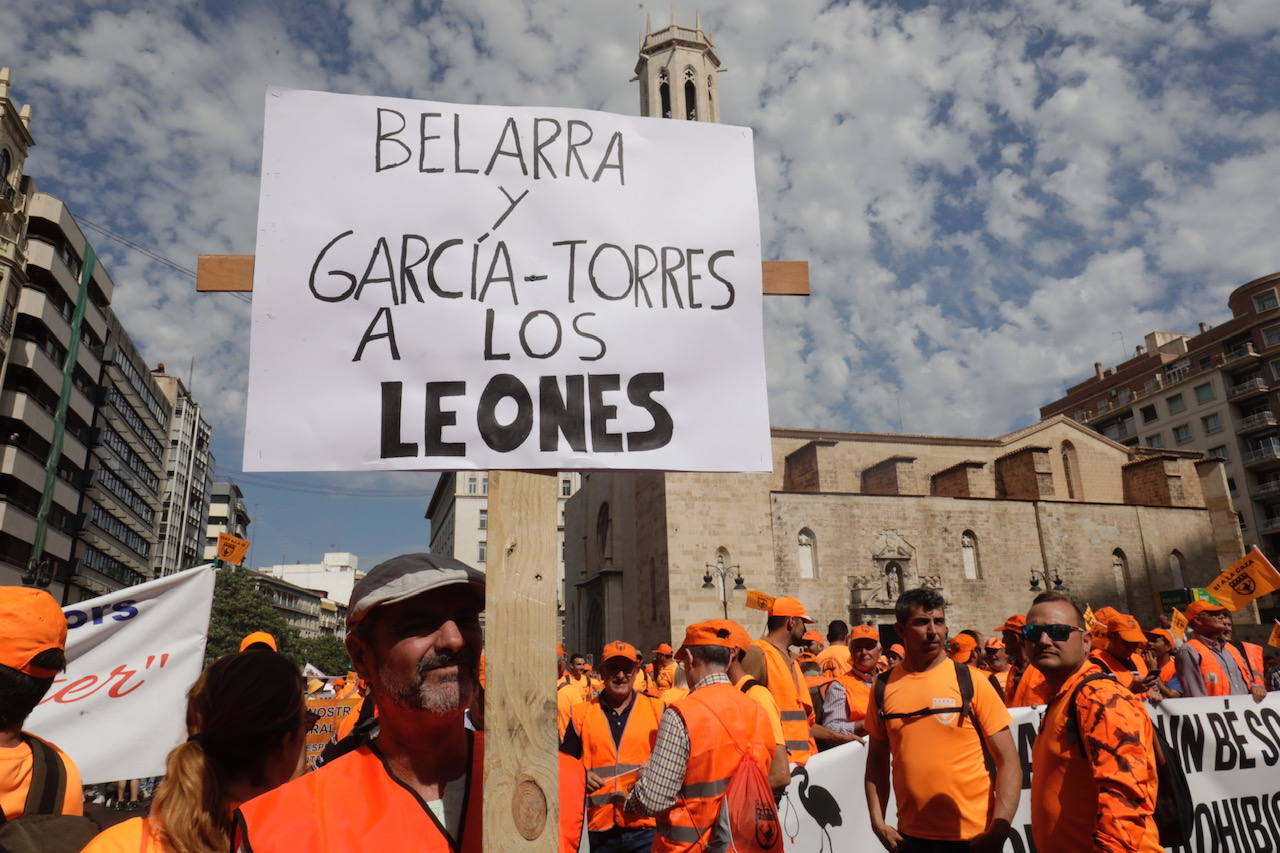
1057	633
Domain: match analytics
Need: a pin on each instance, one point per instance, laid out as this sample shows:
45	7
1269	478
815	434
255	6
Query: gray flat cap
406	576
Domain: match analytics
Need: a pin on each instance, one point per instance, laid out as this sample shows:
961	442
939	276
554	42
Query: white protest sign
1229	747
442	286
131	656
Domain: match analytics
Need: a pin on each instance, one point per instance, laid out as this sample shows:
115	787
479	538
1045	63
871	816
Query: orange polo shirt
940	779
15	781
1102	801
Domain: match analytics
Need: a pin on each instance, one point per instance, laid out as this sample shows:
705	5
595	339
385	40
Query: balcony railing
1269	450
1258	419
1249	386
1271	525
1239	354
1267	490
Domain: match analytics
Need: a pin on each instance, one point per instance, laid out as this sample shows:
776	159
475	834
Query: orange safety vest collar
725	727
607	760
794	708
1215	678
356	797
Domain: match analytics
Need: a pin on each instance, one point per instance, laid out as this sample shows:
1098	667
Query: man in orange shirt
33	639
835	659
845	698
997	660
1093	777
1121	653
662	671
613	734
945	797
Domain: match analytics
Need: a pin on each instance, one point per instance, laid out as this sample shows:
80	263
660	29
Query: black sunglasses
1057	633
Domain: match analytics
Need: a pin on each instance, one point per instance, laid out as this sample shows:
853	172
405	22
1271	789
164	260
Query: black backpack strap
48	779
964	680
882	681
748	684
1073	717
995	685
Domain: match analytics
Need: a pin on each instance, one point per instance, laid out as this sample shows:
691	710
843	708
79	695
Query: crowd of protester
651	751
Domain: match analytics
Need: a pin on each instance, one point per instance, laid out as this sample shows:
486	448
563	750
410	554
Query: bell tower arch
677	72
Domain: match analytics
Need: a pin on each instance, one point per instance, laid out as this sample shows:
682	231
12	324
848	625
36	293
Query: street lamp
1037	575
739	582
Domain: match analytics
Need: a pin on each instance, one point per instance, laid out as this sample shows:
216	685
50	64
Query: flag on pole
1091	622
1178	624
1244	580
232	549
1274	639
758	600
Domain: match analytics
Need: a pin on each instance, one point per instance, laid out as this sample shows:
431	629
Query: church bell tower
677	72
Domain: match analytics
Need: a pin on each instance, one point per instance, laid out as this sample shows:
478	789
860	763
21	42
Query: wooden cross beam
234	273
521	787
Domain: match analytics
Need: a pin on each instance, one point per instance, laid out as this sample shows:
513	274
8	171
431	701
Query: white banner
131	656
1229	747
446	286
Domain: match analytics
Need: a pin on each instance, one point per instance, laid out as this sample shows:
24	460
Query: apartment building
184	509
227	514
459	515
300	607
1213	391
335	575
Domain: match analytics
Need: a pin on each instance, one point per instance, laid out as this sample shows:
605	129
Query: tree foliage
240	608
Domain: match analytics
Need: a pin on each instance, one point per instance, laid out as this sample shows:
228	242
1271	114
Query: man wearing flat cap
414	635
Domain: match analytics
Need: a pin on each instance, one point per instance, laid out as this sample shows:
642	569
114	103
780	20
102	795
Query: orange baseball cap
993	643
864	632
1200	606
31	622
961	648
785	605
663	649
813	637
1162	632
619	649
1106	614
713	632
259	637
898	650
738	635
1016	622
1126	627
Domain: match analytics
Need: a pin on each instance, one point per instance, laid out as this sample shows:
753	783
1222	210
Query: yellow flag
231	549
1091	623
758	600
1178	624
1244	580
1274	639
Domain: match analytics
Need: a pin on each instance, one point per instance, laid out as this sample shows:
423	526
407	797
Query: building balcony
1248	388
1270	525
1266	453
1240	355
1256	421
1266	492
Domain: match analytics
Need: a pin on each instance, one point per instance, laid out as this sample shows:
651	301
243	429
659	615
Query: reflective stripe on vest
723	725
358	793
605	759
1216	680
794	709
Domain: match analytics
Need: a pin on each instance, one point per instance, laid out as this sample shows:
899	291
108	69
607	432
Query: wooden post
521	788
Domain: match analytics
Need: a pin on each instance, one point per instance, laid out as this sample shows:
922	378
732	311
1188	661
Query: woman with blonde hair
247	722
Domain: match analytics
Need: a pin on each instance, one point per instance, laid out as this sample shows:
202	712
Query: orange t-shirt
15	780
1102	802
836	660
941	806
1031	689
765	700
132	836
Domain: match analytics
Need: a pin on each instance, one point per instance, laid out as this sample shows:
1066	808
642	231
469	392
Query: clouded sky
991	195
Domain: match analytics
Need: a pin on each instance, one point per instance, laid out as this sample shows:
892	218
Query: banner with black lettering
131	656
449	286
1230	748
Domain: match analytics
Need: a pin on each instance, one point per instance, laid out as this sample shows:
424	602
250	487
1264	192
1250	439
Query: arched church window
806	558
690	96
664	93
1069	469
1120	574
602	528
969	555
1175	569
6	163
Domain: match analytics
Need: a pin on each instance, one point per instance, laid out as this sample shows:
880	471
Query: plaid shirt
659	784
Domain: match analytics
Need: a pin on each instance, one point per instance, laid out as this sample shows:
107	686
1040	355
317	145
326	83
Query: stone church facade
848	520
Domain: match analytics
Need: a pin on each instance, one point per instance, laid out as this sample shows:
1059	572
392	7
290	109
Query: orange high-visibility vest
1168	671
1253	657
664	678
724	726
1215	678
794	706
857	695
1125	671
573	795
605	759
356	799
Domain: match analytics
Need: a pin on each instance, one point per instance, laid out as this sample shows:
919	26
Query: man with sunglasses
1207	664
1093	768
939	741
613	734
